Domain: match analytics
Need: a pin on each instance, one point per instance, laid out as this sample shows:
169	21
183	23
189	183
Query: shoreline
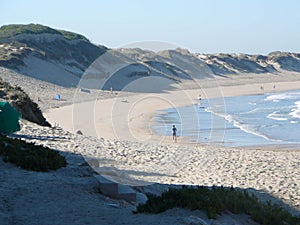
235	136
131	116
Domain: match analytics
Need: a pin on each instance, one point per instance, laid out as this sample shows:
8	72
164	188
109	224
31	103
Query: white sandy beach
129	116
116	131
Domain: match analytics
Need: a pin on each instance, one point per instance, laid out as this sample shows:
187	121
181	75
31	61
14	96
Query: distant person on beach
261	88
174	130
199	99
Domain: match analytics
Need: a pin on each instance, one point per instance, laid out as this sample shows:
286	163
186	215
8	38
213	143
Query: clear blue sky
253	26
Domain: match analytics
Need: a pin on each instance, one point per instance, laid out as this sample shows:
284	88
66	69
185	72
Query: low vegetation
9	31
72	36
216	200
30	156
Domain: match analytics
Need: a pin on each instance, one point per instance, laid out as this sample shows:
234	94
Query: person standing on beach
199	100
174	130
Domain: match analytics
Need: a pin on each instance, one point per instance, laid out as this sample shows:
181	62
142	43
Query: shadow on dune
131	177
38	137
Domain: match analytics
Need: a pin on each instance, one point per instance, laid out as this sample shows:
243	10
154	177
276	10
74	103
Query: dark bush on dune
30	156
217	200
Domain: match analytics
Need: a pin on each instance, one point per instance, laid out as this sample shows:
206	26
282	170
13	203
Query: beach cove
126	121
145	158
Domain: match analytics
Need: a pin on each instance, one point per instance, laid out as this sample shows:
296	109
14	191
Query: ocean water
237	121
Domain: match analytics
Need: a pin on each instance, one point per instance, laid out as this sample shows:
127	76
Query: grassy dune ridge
8	31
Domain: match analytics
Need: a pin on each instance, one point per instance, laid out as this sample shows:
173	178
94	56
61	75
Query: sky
204	26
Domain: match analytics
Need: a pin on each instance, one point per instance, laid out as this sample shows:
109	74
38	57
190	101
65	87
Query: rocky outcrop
21	102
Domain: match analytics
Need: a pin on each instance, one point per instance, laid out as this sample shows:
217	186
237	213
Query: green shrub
8	31
30	156
216	200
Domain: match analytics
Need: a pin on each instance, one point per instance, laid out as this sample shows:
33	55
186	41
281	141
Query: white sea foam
283	96
256	110
295	112
242	126
277	116
250	129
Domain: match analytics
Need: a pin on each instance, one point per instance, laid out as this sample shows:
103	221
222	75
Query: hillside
221	64
245	63
51	55
62	57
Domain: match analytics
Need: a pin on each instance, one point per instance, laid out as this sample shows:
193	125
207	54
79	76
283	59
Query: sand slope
70	195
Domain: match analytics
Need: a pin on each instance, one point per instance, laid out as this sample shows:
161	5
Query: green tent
9	119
